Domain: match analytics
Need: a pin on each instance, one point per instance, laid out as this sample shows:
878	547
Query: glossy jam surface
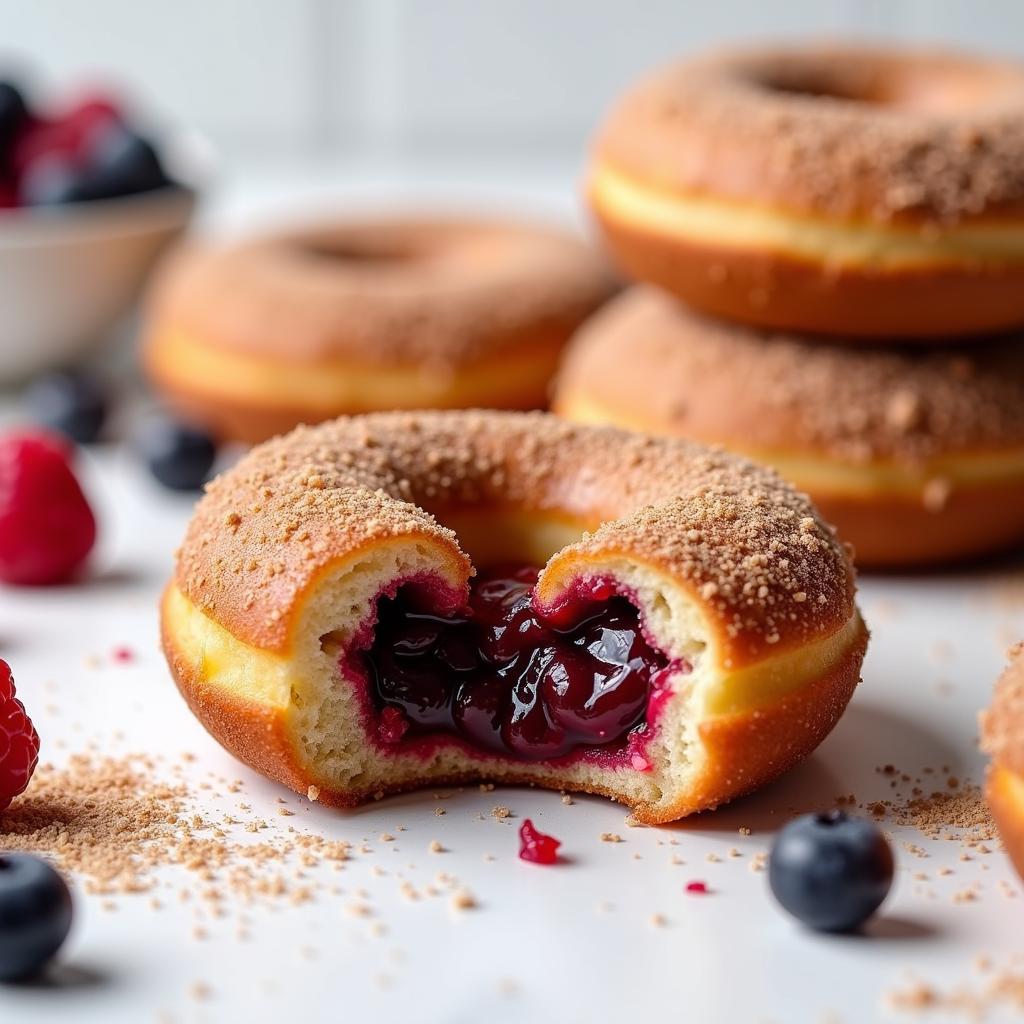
536	847
508	680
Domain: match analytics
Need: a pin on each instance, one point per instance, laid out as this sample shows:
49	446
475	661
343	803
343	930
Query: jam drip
507	679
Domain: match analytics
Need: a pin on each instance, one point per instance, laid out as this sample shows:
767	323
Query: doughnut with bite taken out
691	635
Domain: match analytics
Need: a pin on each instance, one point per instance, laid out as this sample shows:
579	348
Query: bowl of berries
87	203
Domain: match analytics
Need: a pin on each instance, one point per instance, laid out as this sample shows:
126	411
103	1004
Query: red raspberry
19	741
46	525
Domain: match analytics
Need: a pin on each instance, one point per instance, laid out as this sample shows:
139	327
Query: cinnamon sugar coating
382	293
775	392
1002	725
845	131
765	568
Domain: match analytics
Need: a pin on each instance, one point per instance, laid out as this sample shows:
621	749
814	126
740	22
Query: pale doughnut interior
326	714
721	223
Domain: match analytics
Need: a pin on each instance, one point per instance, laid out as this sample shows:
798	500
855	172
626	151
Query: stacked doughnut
299	326
830	241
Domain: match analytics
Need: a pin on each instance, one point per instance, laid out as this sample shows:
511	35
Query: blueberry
178	455
73	403
830	871
120	162
13	114
35	915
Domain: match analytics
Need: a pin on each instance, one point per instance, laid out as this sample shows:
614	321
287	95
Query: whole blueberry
178	455
73	403
35	915
121	162
830	871
13	113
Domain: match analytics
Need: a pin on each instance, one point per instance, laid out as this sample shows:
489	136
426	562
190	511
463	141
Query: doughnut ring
845	190
692	634
915	455
250	339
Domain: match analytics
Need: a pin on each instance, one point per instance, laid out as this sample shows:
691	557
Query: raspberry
19	741
46	525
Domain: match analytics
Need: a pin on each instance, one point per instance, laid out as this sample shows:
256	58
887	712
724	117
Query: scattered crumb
463	899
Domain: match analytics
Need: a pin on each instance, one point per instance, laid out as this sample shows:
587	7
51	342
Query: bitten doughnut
251	339
915	455
1002	738
692	635
845	190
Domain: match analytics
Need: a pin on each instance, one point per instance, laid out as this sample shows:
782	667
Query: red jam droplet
508	679
697	888
536	847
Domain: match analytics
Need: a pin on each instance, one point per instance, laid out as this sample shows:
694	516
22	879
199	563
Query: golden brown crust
898	415
520	379
854	304
744	750
903	531
769	575
253	731
1003	791
670	370
1002	725
1002	738
840	131
748	749
382	293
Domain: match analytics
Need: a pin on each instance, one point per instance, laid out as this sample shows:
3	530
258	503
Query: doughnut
915	454
252	338
692	634
1002	738
834	189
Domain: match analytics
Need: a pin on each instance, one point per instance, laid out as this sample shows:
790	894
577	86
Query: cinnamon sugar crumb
463	899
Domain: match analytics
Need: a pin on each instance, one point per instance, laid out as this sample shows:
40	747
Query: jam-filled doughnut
838	189
692	634
915	455
1002	737
252	338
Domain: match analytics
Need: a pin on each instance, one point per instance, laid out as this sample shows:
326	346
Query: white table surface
564	944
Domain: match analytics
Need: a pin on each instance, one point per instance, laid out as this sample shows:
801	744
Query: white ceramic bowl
68	273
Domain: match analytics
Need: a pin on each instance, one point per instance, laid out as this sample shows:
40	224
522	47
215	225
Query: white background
305	77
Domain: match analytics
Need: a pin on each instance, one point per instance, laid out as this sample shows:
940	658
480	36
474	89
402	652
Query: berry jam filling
536	847
507	679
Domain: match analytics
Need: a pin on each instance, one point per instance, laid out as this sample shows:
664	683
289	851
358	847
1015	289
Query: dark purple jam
507	680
